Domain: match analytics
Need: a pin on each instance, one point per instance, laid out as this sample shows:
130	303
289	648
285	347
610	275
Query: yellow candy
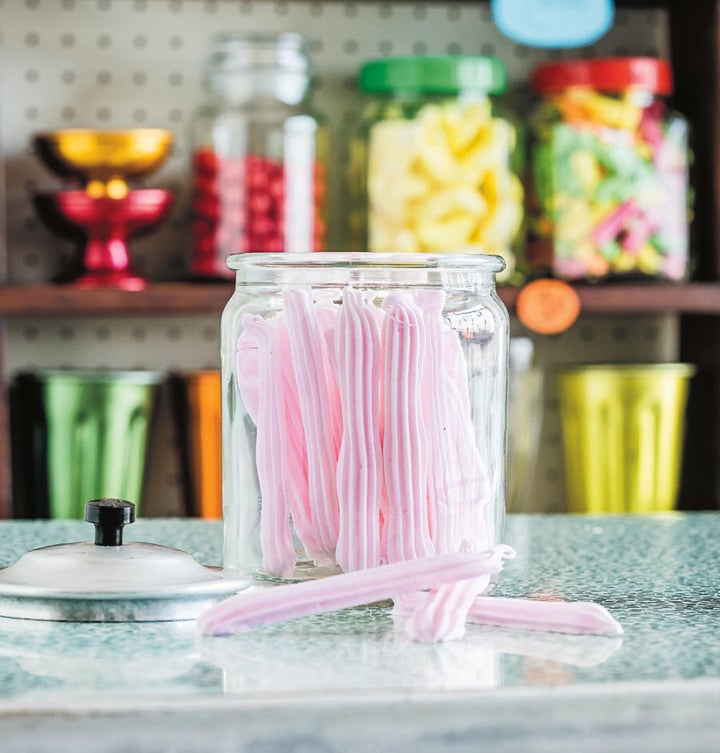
576	222
442	181
587	169
649	260
386	238
600	109
624	262
448	217
462	124
391	155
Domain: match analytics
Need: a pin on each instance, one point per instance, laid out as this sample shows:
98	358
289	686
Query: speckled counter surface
351	682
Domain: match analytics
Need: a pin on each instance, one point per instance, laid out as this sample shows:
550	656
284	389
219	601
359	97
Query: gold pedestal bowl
103	160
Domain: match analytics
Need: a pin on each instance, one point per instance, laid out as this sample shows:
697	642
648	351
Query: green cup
97	425
623	429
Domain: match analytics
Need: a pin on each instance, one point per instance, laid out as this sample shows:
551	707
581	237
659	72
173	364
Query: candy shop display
434	165
363	411
609	167
259	153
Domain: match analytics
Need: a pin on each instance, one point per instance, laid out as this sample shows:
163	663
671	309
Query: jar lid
434	74
609	74
109	581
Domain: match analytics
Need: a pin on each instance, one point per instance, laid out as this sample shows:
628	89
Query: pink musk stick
294	463
575	617
295	467
359	472
405	452
442	616
440	461
469	485
582	617
320	411
280	603
454	477
278	550
246	371
609	228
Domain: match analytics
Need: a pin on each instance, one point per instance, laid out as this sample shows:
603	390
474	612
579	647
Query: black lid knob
109	516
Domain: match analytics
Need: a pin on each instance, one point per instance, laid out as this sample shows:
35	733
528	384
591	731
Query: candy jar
363	410
259	153
434	164
609	165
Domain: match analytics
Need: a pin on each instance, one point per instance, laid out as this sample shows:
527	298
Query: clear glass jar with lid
363	410
259	152
609	158
435	163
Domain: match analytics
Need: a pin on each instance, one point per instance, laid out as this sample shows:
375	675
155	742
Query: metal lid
108	581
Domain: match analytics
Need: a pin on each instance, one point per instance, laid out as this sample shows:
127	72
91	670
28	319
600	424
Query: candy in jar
259	153
363	410
434	164
609	163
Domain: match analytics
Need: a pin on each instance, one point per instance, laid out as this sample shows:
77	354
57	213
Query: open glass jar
363	410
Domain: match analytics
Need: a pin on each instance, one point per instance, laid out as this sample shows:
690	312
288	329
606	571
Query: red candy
239	207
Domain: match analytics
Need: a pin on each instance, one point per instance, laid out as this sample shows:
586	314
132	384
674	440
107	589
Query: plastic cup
623	429
201	435
91	437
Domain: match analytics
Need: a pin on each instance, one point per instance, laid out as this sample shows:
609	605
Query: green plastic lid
434	74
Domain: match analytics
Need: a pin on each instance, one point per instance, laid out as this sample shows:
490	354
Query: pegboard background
137	63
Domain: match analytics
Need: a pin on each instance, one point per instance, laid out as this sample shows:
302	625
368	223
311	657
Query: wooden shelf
178	298
168	298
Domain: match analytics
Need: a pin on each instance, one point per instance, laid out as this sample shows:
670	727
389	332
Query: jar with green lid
435	162
610	191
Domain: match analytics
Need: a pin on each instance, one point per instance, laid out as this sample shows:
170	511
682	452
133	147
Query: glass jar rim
234	52
477	263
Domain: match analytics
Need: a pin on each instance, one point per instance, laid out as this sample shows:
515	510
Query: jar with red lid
259	153
610	188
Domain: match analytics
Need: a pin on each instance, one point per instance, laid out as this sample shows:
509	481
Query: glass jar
609	165
434	165
363	410
259	153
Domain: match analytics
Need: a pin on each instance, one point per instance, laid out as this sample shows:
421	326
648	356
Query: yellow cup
623	428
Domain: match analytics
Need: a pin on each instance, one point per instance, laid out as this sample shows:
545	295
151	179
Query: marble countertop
351	681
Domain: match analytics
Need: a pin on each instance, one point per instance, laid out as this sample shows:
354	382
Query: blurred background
137	63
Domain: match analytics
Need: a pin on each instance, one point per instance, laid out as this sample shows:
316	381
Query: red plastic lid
607	74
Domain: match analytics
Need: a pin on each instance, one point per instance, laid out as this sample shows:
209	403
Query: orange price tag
548	306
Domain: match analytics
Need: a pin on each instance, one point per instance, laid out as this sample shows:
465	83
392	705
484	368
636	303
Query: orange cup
203	442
